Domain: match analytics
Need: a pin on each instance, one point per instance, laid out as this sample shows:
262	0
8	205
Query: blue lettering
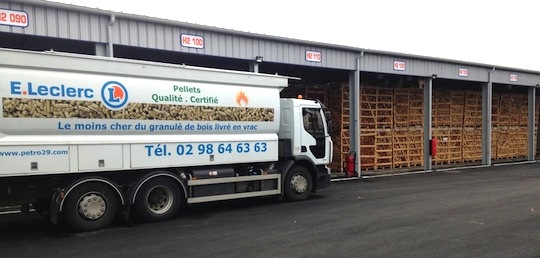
42	90
30	90
149	150
15	87
111	96
63	89
88	93
54	90
71	92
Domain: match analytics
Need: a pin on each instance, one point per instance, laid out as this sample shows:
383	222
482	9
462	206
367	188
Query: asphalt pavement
481	212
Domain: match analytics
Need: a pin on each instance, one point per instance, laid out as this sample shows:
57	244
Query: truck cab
304	137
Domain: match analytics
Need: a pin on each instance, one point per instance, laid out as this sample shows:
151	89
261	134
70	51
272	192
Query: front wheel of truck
298	184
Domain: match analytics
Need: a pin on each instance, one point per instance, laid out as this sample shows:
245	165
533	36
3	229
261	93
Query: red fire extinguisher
433	147
349	164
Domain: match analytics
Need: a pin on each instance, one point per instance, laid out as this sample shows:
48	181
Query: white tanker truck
86	139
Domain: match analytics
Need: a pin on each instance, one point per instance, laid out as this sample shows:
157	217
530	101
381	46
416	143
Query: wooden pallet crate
367	149
495	109
376	108
401	108
494	139
338	103
408	148
519	109
416	107
536	119
472	116
511	143
441	107
449	145
408	107
383	156
375	149
523	109
520	142
505	111
509	130
472	145
458	107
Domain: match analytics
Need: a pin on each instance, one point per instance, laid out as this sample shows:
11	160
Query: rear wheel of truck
90	206
298	184
158	199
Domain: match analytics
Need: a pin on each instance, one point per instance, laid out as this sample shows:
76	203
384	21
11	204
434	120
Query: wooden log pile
376	121
510	126
449	145
392	125
408	147
338	103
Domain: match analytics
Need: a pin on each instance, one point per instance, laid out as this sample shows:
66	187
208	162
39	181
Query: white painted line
515	163
434	170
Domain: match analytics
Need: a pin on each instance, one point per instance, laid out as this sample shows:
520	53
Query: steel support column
354	109
428	100
487	100
531	125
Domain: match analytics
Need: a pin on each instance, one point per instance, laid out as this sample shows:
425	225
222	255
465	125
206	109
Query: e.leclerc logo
114	95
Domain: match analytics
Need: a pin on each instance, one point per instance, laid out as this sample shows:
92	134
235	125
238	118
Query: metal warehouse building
387	107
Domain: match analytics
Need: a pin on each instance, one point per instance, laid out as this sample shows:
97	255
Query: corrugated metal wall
137	33
56	20
424	68
59	23
515	78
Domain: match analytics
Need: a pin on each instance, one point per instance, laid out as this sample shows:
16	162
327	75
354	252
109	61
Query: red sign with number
13	18
192	41
463	72
513	77
313	56
399	65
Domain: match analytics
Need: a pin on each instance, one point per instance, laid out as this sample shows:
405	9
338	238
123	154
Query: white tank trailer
86	139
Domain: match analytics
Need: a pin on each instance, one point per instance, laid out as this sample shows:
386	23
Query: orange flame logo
242	98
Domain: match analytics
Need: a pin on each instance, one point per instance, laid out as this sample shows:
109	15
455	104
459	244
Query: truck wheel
157	200
298	184
90	206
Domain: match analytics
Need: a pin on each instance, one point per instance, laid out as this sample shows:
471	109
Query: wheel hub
299	184
159	200
92	206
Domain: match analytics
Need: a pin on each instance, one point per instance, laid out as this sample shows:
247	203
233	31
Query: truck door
313	139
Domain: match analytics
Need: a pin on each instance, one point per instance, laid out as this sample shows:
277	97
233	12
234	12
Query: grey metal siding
64	24
151	36
503	77
142	34
169	40
133	34
58	23
87	24
73	25
424	68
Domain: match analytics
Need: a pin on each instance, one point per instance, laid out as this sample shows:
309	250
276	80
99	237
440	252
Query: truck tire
158	199
298	184
90	206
